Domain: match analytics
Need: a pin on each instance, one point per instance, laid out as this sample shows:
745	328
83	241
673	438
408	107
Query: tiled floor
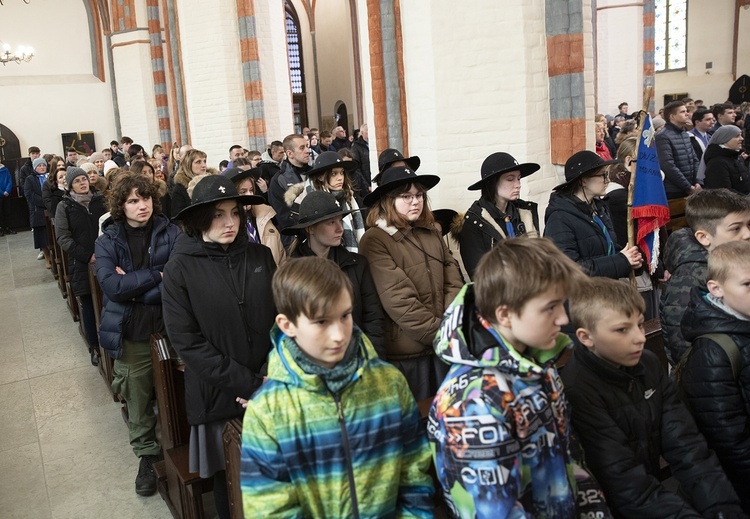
64	449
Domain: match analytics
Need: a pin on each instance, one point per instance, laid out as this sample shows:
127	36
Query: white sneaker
40	256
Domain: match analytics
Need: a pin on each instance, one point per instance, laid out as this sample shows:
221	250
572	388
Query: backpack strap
730	348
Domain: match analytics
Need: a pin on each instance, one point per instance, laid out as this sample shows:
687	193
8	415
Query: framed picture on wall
82	142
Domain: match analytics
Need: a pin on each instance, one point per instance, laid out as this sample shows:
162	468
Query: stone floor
64	449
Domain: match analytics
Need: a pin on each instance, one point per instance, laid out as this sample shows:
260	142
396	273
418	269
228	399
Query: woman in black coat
32	191
319	233
724	164
77	226
578	222
53	190
218	309
499	213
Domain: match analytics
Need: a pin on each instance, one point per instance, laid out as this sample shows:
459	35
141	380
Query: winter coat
339	143
568	222
725	168
26	171
677	160
416	278
51	196
269	234
77	229
137	287
307	452
6	182
626	418
179	198
478	231
617	203
500	427
367	311
687	262
719	402
362	176
221	336
283	180
32	190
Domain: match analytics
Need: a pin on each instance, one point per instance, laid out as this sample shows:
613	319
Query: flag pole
631	185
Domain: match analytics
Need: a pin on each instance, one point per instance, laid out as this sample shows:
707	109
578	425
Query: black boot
94	358
145	481
8	230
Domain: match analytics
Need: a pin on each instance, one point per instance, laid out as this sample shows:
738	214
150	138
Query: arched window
296	67
670	35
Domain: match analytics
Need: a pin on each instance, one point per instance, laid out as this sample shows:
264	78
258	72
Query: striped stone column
256	123
123	14
565	64
648	47
160	78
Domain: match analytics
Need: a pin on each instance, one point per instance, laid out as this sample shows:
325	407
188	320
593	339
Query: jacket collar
609	373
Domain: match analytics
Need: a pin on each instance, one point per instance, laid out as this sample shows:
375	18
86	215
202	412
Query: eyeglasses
605	176
410	197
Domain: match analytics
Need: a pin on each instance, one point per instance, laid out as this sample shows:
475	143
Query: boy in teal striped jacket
334	431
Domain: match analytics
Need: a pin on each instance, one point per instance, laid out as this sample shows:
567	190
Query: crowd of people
322	302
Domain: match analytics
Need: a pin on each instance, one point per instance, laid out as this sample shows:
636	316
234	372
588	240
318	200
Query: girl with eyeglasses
415	275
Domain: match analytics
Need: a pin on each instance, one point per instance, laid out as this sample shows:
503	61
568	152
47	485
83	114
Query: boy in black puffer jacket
716	382
626	413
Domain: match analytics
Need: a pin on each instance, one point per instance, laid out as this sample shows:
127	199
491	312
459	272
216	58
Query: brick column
160	78
253	86
123	15
565	64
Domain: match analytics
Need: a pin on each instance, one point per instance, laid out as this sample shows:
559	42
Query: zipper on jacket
348	454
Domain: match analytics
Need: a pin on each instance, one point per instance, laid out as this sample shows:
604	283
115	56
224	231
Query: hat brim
526	169
584	173
243	199
296	229
348	165
412	162
428	181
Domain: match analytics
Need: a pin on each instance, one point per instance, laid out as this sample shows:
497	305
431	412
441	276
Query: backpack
726	343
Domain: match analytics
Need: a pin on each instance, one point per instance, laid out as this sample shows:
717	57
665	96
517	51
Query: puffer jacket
482	228
500	427
569	223
626	418
219	331
687	262
719	403
367	311
307	452
136	287
77	229
416	278
677	160
362	176
725	168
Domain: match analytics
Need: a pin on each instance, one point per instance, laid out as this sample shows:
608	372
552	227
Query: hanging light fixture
22	54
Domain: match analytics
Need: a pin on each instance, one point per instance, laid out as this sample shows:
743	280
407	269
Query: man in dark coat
292	171
28	169
340	141
676	156
360	149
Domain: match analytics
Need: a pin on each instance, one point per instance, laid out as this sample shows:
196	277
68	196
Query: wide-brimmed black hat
216	188
329	160
399	176
499	163
238	175
316	207
445	218
579	165
391	155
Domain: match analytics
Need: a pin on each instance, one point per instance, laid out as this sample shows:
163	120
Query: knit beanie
110	164
72	174
38	161
724	134
97	155
88	167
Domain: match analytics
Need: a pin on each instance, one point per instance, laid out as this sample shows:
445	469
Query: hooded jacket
719	403
568	222
499	425
137	287
677	160
687	262
416	278
479	231
725	168
367	312
218	309
625	419
77	229
307	452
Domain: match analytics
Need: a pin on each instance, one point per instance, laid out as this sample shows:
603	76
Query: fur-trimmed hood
291	194
182	178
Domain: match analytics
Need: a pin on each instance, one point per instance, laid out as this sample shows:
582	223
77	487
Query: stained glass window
294	51
670	34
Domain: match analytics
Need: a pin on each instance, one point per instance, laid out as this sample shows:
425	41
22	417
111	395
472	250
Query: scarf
84	200
335	378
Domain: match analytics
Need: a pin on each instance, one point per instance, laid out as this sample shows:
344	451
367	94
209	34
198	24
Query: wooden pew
58	260
181	489
106	363
51	239
71	300
677	218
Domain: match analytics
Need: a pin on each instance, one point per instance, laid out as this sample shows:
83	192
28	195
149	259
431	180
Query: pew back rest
169	383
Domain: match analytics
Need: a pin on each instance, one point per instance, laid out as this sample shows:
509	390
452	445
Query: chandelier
22	54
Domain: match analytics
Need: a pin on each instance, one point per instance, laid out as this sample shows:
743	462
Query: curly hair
121	190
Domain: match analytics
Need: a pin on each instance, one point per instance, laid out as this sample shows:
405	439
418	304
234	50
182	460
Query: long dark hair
198	221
